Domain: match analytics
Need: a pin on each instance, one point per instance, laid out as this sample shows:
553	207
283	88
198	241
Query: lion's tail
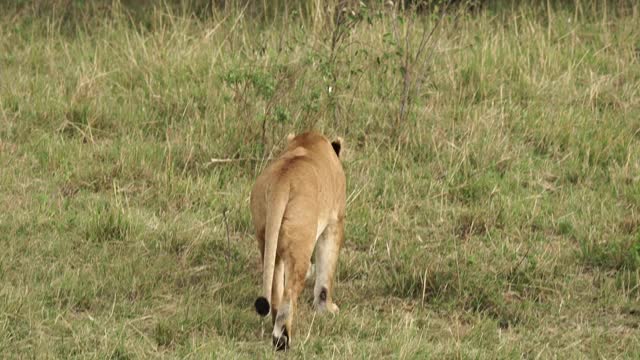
277	203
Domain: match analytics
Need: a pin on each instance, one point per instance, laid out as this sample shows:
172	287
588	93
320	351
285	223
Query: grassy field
493	171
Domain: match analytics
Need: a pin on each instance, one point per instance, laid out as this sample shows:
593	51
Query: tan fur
298	201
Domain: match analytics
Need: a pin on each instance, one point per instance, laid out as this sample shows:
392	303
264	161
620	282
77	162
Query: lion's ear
337	145
290	137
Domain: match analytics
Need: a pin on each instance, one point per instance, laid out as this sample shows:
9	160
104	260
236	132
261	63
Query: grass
496	216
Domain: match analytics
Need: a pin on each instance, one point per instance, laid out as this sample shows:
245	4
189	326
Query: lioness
298	200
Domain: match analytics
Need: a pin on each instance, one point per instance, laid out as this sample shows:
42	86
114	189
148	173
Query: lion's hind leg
327	251
296	264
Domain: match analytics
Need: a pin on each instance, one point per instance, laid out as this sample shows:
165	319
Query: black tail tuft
262	306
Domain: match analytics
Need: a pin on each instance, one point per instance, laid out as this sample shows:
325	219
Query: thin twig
214	161
310	327
424	286
515	268
408	84
444	13
226	225
338	30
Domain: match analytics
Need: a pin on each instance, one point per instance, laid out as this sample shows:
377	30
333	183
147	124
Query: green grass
498	217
